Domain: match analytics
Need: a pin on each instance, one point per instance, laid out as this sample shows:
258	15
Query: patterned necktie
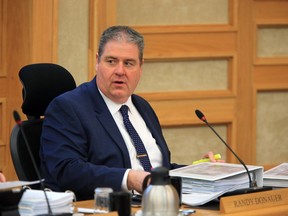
138	144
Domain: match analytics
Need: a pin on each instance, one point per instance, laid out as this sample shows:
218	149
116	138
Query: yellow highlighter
216	156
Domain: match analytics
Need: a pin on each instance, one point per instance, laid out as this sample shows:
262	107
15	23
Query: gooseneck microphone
201	116
252	184
19	123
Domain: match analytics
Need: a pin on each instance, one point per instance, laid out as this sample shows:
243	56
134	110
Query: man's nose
120	69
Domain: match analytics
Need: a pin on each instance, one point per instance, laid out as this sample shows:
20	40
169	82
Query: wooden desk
209	210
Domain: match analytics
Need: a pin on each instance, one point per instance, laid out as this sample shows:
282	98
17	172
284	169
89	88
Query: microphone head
17	117
200	115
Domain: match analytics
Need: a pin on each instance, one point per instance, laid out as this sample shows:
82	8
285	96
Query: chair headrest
42	83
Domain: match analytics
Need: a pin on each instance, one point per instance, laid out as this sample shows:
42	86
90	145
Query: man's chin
120	98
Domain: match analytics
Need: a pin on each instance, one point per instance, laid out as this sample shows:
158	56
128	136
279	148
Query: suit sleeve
70	160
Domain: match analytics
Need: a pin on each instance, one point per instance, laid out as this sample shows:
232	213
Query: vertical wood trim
4	133
55	31
102	14
93	36
110	13
17	53
254	122
1	36
231	141
3	27
233	12
44	31
3	128
232	76
245	144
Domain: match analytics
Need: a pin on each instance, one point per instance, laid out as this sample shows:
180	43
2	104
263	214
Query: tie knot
124	110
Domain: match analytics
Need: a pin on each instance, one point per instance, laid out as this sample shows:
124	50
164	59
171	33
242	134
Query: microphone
19	123
252	184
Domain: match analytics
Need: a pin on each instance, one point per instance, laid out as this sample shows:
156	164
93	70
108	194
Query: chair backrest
21	159
41	84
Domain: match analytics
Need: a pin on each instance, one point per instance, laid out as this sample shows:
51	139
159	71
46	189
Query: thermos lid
160	176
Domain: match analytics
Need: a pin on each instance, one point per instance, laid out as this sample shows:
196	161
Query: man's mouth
119	82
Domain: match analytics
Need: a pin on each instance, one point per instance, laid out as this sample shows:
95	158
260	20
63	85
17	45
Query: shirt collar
114	107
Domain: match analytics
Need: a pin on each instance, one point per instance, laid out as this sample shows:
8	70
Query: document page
211	171
279	172
277	176
14	184
200	198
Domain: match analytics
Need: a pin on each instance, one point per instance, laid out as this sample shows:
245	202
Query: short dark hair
118	33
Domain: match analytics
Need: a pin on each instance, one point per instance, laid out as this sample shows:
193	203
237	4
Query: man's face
118	70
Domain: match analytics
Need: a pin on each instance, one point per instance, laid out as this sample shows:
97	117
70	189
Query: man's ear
97	57
96	64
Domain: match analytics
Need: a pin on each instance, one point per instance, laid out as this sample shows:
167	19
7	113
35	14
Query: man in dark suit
84	142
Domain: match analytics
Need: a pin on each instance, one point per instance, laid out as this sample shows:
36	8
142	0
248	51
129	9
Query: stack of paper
277	176
204	182
190	185
33	202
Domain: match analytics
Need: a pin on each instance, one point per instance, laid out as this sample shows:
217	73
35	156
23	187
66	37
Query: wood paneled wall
237	42
28	34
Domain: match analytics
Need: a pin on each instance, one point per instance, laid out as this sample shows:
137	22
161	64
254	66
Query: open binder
204	182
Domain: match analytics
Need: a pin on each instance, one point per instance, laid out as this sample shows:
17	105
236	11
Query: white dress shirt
140	126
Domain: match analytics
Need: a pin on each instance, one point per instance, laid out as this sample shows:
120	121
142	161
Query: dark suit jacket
81	145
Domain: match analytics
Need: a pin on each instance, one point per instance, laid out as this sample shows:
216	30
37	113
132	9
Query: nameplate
254	201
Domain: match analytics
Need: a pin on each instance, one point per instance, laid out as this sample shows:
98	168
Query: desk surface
209	210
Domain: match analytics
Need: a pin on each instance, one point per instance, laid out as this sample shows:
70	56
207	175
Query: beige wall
209	74
272	127
73	37
171	12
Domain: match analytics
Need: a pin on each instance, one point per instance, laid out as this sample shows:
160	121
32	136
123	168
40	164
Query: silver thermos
159	197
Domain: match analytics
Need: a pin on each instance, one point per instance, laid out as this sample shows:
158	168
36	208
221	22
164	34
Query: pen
186	212
216	156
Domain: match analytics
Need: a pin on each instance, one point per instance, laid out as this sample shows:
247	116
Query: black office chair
41	83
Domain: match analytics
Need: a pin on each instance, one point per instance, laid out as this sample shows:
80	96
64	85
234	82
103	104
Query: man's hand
135	180
210	155
2	177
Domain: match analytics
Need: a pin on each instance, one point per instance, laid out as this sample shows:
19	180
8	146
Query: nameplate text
252	201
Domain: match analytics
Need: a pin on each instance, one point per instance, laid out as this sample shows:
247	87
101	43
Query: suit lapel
107	121
105	118
149	120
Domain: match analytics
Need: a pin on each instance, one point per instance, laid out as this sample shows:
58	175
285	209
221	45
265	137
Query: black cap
160	176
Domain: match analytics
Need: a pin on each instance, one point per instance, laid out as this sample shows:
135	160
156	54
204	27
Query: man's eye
129	64
110	61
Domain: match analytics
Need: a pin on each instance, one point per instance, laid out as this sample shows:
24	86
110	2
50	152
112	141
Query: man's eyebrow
115	58
128	59
109	57
133	60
